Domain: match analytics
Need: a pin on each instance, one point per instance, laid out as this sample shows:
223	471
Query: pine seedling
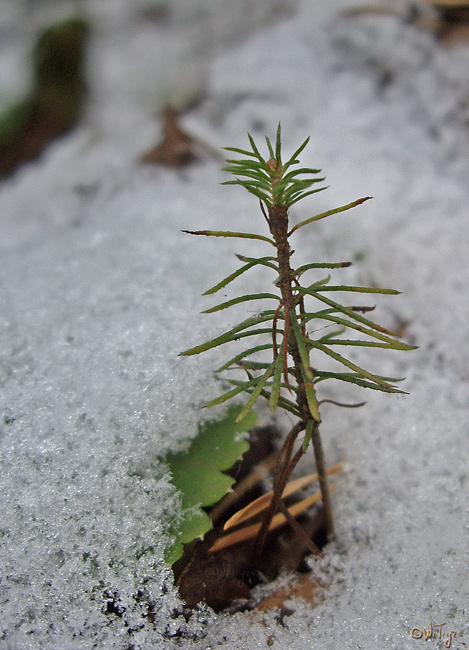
291	379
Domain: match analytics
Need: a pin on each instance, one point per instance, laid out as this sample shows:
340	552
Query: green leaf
306	369
283	402
242	387
321	265
252	365
235	301
265	261
348	311
393	343
233	276
332	335
231	335
292	199
343	287
275	388
250	263
270	148
301	346
259	181
254	147
256	392
198	474
303	170
293	160
243	152
244	354
222	233
252	188
357	343
253	165
354	378
349	364
278	144
308	433
323	215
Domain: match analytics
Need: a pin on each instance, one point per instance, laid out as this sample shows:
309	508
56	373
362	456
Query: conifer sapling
291	379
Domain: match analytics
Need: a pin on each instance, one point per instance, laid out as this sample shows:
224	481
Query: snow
100	290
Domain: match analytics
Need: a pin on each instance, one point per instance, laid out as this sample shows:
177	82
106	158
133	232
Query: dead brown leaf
177	148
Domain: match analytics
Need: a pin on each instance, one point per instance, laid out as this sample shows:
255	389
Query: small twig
299	530
284	477
286	450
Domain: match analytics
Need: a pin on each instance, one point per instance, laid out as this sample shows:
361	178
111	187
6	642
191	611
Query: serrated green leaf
198	474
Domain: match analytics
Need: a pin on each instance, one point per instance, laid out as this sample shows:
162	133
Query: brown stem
322	478
284	477
298	529
278	221
286	451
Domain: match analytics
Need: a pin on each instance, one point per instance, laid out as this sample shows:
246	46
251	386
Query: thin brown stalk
299	530
284	477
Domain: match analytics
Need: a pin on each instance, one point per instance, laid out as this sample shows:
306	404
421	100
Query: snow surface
100	290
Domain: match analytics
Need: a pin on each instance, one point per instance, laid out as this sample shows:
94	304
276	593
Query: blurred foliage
56	97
